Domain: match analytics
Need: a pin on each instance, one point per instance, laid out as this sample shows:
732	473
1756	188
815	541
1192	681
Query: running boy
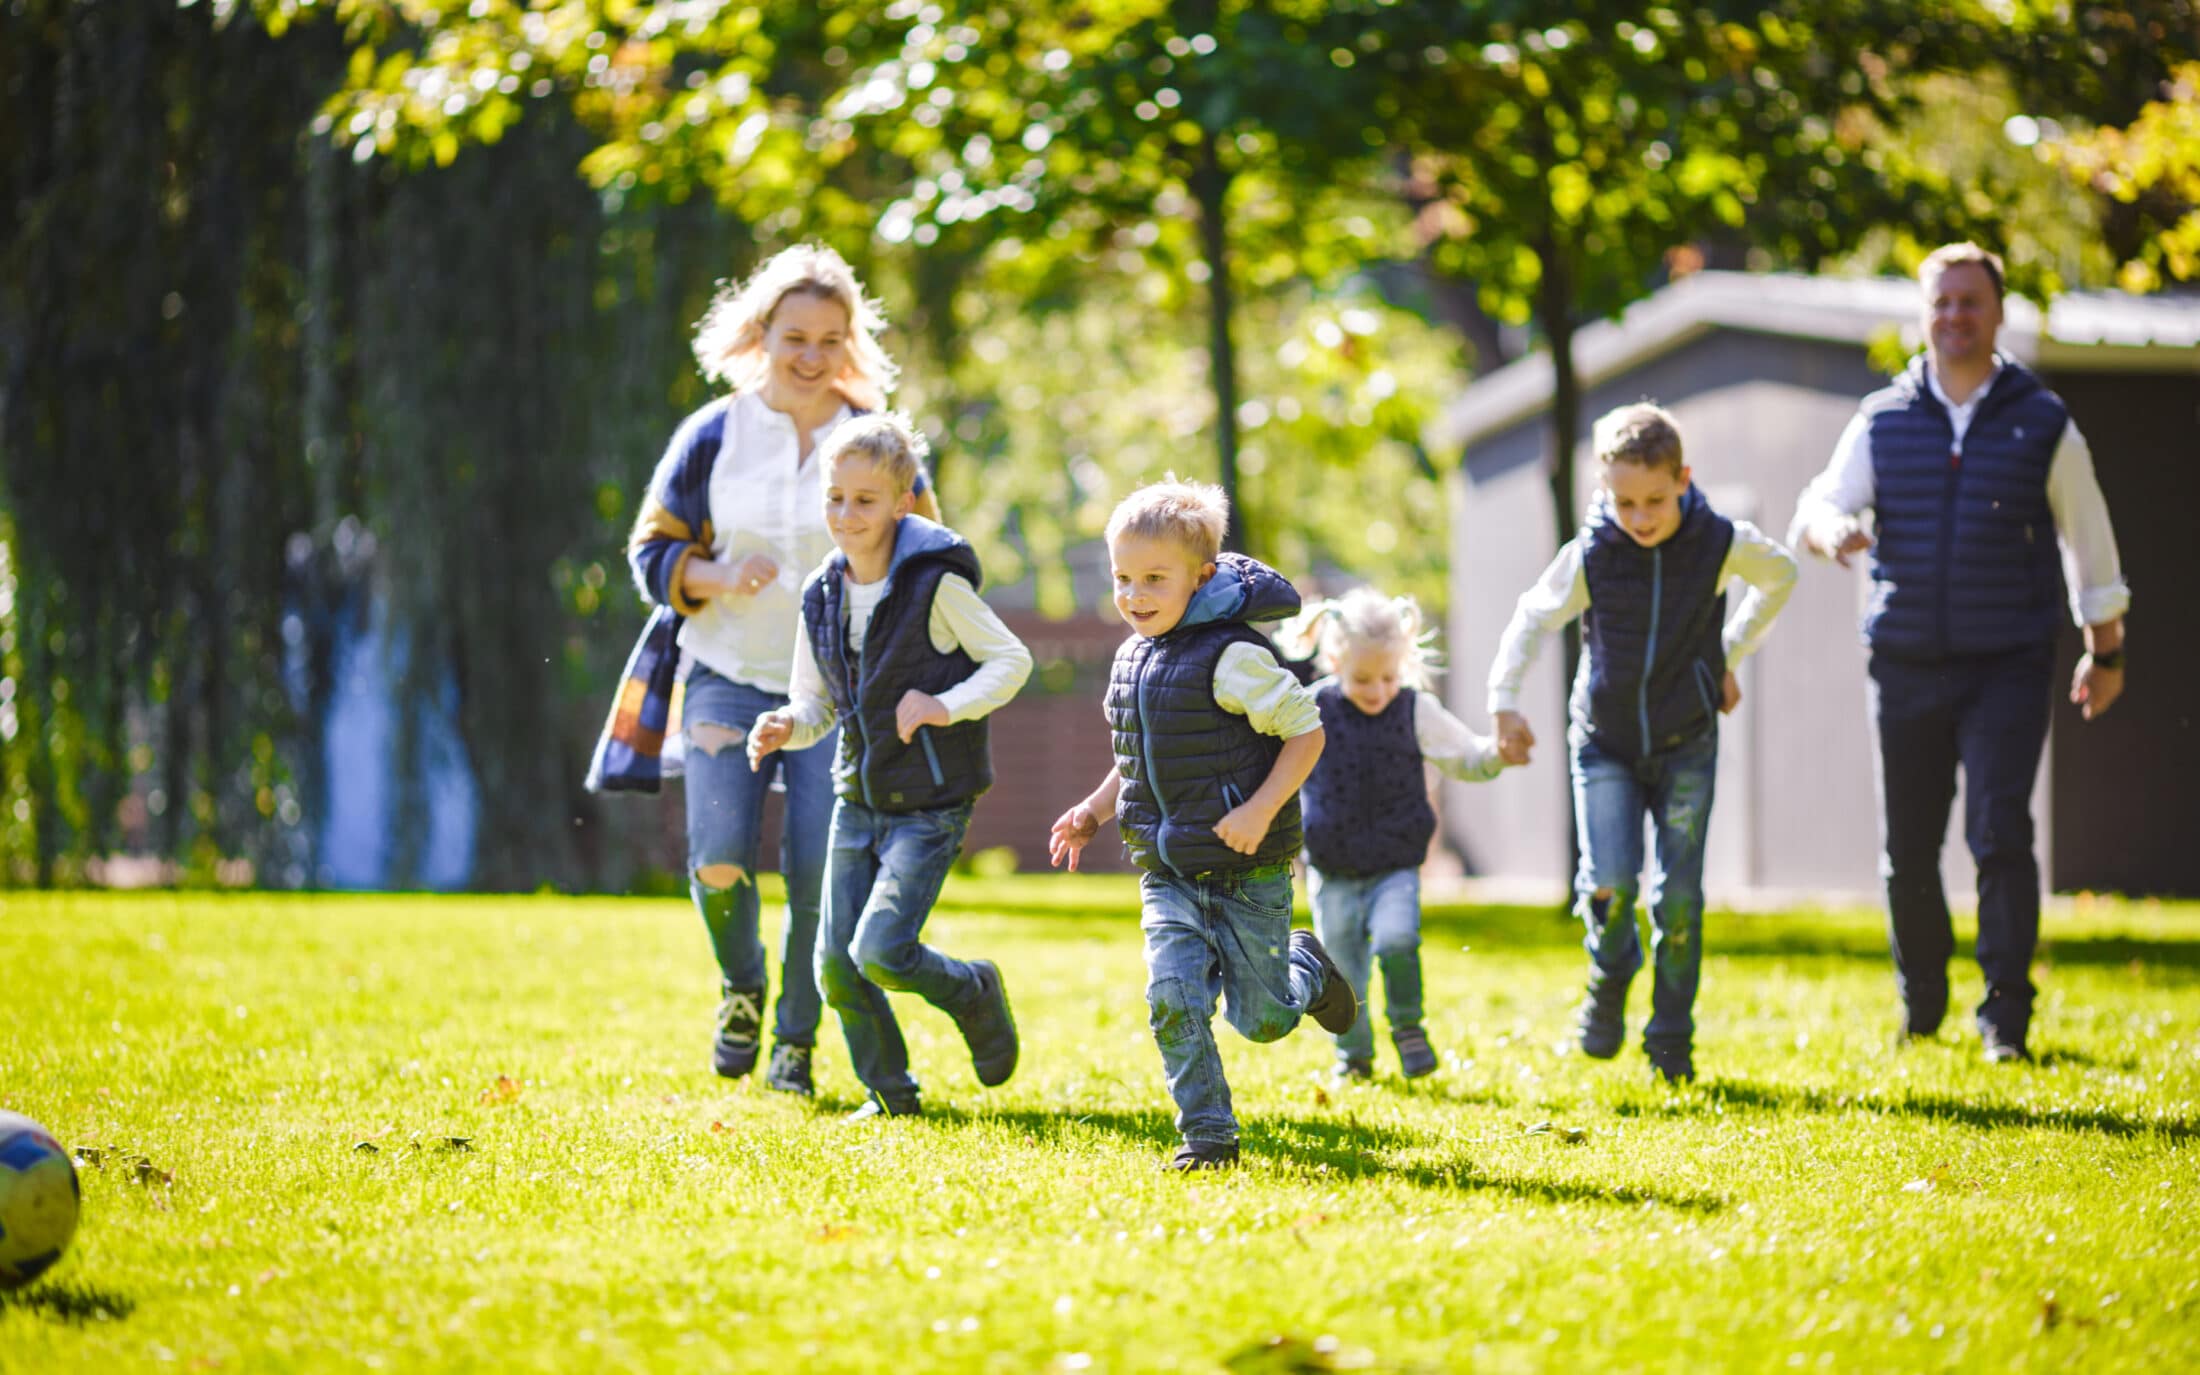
1212	740
1649	570
1368	818
899	646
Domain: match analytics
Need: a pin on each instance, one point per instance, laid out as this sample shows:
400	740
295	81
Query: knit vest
1966	560
1367	808
1653	667
942	765
1186	762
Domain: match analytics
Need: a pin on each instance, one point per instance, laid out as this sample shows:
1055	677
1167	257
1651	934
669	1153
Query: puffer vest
942	765
1653	667
1367	807
1966	560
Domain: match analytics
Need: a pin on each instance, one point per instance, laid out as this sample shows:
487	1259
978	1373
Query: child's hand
1073	830
917	709
1730	693
751	575
1514	739
1244	827
771	730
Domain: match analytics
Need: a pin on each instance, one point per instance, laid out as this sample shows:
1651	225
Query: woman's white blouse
761	502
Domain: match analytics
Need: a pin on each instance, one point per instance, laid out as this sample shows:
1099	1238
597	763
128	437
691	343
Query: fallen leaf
505	1090
365	1147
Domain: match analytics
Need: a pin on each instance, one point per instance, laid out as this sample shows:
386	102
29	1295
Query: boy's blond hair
1193	514
1644	433
1366	619
886	439
729	339
1954	254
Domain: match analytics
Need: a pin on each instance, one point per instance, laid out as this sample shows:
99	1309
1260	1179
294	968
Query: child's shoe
990	1029
877	1106
789	1071
1335	1008
740	1023
1601	1025
1354	1069
1416	1057
1203	1155
1672	1064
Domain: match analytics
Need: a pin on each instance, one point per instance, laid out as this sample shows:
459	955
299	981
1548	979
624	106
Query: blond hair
886	439
1366	619
729	339
1644	433
1956	254
1193	514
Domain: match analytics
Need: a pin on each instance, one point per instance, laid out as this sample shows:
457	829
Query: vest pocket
1708	688
931	757
1231	798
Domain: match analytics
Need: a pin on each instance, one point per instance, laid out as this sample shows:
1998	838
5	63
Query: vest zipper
853	676
1650	650
1942	553
1153	775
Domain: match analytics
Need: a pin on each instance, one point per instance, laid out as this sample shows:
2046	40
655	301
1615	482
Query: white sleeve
1250	683
1448	743
2092	568
808	706
960	618
1769	570
1826	513
1561	594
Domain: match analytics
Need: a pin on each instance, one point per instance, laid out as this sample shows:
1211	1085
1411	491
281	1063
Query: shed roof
2082	330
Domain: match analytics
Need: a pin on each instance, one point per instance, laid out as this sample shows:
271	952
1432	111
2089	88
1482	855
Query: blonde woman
730	526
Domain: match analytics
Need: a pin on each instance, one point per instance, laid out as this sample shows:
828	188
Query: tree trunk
1554	308
1210	187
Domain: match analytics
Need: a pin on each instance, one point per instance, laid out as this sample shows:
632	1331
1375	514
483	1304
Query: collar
1932	384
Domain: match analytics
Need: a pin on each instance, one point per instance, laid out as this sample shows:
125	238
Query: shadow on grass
1933	1107
70	1302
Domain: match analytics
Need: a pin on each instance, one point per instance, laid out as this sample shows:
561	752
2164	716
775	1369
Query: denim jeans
1367	920
886	871
1989	715
1612	797
1225	936
725	815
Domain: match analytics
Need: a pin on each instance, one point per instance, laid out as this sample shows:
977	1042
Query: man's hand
917	709
1244	827
1073	830
1514	739
771	730
1730	693
2095	689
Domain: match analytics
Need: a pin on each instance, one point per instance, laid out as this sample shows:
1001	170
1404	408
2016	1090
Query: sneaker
789	1071
990	1029
1601	1025
2003	1048
876	1106
1354	1069
1335	1008
1673	1066
1416	1057
1203	1155
740	1022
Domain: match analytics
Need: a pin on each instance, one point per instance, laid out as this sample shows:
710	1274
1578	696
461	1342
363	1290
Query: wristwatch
2112	658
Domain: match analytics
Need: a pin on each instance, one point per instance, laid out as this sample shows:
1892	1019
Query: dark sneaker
789	1071
2003	1048
1335	1008
1676	1065
875	1106
1601	1025
1203	1155
1354	1070
1416	1057
990	1028
740	1022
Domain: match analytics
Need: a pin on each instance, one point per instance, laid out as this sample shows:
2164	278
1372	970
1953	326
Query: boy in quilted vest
1649	573
1212	739
899	650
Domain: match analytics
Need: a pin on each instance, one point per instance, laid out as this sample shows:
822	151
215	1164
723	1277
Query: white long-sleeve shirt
1562	593
960	619
1827	511
1446	741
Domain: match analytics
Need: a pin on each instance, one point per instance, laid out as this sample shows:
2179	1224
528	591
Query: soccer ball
38	1200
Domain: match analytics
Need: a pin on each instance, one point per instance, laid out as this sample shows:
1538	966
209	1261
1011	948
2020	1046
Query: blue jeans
886	871
725	815
1673	789
1989	715
1226	936
1366	920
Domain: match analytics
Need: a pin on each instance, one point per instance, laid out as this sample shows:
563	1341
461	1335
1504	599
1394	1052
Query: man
1981	486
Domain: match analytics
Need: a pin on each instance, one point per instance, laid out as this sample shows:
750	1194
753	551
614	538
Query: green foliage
2149	172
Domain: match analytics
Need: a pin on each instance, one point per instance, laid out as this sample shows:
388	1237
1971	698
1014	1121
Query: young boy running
1212	739
1649	571
900	648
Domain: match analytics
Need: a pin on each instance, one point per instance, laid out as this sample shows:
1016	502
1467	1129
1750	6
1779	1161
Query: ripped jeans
725	818
1613	798
1224	936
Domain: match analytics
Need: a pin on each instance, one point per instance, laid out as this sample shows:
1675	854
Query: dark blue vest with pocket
1966	560
1367	807
1653	667
943	765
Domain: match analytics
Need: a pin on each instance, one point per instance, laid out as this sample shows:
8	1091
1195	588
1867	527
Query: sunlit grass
425	1133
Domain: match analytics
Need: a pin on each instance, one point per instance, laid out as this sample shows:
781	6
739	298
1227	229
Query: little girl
1367	813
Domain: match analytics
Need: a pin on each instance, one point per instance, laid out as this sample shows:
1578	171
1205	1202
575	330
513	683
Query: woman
732	523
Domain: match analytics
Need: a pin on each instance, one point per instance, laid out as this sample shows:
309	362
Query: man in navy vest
1986	507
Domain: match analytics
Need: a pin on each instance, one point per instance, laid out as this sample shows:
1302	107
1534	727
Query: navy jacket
1367	807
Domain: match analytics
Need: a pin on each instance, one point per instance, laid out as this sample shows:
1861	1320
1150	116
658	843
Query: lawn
414	1133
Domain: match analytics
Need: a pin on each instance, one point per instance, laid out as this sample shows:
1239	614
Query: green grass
1818	1201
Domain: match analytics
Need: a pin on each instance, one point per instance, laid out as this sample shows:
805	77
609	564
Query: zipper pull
1955	460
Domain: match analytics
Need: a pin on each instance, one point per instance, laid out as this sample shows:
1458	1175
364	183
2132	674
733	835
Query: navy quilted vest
1367	808
1966	560
1653	666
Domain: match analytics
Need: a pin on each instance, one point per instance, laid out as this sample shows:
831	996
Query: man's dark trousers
1988	713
